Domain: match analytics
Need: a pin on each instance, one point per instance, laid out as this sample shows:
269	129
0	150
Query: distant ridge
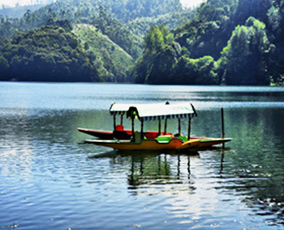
29	3
19	11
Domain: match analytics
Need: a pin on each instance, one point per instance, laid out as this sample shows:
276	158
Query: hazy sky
186	3
13	2
22	2
189	3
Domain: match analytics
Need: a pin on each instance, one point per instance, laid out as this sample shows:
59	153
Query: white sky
185	3
189	3
21	2
14	2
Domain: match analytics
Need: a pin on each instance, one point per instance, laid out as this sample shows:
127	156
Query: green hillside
233	42
79	11
109	58
58	52
107	42
51	53
141	26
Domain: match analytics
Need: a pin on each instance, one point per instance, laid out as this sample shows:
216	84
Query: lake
48	180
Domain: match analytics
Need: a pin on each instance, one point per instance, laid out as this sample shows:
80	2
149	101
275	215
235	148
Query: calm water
49	181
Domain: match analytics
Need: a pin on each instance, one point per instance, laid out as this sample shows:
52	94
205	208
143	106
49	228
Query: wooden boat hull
97	133
106	135
174	144
118	134
205	142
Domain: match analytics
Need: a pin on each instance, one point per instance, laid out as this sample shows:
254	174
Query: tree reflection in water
153	168
153	173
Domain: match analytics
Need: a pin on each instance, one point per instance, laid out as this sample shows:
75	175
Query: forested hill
233	42
82	11
108	36
51	53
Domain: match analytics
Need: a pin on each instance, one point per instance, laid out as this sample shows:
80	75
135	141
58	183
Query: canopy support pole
142	126
133	131
179	127
166	123
189	128
121	119
159	127
223	127
114	122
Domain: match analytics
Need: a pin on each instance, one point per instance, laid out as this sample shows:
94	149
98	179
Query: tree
161	66
276	30
4	68
201	71
51	53
159	56
251	8
244	59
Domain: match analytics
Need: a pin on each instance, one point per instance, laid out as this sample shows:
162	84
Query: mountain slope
110	59
235	42
79	11
51	53
106	39
141	26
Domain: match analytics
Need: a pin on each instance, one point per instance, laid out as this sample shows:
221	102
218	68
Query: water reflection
45	173
17	162
173	176
251	169
155	170
101	96
255	177
152	168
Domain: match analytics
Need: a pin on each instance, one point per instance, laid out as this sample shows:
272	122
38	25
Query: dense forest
50	53
232	42
109	36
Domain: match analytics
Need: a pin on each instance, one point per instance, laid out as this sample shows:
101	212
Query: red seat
119	128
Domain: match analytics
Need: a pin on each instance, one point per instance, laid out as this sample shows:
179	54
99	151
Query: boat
122	139
148	144
121	134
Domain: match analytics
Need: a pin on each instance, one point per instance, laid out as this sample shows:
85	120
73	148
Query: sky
189	3
21	2
13	2
185	3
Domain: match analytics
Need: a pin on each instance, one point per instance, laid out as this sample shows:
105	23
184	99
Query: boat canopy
119	109
157	111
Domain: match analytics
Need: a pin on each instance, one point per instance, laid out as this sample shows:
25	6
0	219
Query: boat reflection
175	175
158	170
153	168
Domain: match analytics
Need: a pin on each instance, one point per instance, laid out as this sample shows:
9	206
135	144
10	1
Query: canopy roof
158	111
119	108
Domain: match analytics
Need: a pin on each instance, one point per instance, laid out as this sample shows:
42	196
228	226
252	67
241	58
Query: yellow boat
121	134
149	145
150	140
207	142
